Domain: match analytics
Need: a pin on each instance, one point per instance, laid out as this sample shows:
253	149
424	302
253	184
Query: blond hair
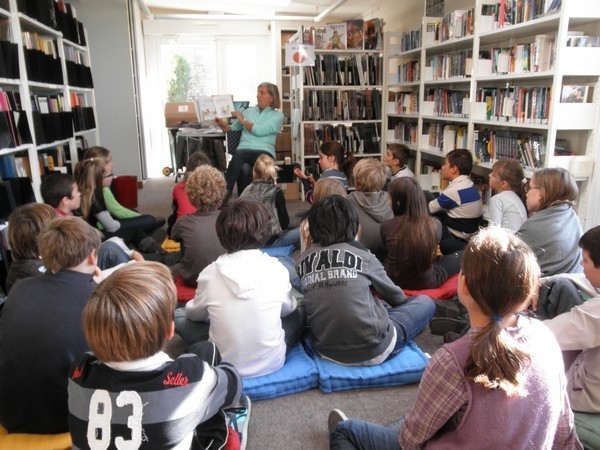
26	223
89	174
325	187
369	175
129	315
205	187
66	242
264	169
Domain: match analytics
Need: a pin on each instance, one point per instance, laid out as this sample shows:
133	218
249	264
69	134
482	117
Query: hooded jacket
373	209
245	294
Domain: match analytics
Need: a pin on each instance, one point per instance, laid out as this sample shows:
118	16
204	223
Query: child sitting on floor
205	188
502	385
92	176
265	190
26	224
246	295
181	203
412	237
396	160
506	208
344	285
459	205
334	161
40	329
115	209
579	330
553	229
129	380
60	191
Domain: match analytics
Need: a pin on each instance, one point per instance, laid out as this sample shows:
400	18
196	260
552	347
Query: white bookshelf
26	88
575	122
303	91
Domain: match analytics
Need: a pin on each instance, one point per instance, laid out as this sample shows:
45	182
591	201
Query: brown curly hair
205	187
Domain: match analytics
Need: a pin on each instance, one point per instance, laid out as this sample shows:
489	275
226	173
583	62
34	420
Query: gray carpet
299	421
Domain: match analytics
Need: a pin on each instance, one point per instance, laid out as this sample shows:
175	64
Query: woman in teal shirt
259	125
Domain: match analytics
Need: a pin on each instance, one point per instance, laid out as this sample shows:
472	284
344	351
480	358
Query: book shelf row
51	159
345	70
341	105
359	138
57	15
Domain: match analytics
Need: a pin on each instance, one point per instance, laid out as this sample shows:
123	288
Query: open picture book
213	107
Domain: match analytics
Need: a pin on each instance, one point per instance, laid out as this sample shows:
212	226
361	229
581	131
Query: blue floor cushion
404	368
298	374
588	429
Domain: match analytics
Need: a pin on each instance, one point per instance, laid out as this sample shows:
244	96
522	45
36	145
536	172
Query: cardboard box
177	112
291	191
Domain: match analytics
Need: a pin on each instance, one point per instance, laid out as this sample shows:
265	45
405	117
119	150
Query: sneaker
238	418
335	416
149	245
442	325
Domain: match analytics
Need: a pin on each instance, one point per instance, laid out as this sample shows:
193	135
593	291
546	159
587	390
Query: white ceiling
345	9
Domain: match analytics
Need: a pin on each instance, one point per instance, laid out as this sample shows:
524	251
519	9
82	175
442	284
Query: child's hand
137	256
298	172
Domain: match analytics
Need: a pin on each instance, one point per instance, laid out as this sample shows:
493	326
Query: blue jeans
111	255
287	237
409	319
356	434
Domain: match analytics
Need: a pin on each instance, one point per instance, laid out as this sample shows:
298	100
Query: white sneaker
335	416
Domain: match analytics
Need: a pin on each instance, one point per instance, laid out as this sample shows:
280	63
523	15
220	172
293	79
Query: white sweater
245	294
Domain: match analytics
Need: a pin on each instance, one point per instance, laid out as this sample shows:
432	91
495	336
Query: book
213	107
574	94
373	34
336	36
354	29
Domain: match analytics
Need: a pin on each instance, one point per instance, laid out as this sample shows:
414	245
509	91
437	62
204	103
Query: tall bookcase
340	98
47	97
488	90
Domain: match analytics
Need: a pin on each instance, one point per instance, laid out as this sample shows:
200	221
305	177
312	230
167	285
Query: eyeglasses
529	187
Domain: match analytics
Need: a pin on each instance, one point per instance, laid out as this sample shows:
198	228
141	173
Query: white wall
108	36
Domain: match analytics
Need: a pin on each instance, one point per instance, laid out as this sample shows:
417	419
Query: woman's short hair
332	220
324	187
264	168
66	242
369	175
205	188
129	315
244	225
557	186
273	91
26	224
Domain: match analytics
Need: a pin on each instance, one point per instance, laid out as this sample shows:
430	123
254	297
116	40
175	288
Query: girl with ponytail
502	385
